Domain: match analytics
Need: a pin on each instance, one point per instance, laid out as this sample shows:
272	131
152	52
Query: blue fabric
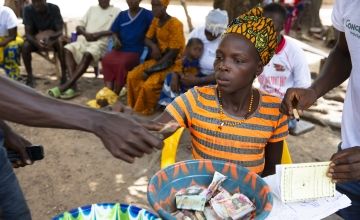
12	202
132	31
167	95
352	190
292	123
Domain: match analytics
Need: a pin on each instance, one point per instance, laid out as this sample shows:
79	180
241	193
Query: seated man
9	43
43	29
93	32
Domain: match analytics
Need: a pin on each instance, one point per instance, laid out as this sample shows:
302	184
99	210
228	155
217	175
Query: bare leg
117	88
59	47
27	49
69	62
79	71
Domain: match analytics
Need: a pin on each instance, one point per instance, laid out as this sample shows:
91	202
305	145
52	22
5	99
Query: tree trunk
235	7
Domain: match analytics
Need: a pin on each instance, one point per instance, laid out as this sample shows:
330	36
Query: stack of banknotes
213	202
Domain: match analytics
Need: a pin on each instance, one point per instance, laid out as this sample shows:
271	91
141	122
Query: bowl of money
107	211
166	190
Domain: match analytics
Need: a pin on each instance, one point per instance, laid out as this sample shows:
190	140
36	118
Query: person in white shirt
210	34
9	43
93	34
343	63
288	67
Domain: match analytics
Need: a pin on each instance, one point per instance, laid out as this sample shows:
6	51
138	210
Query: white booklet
304	181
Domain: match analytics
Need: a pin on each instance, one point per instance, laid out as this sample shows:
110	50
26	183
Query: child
288	67
190	66
232	121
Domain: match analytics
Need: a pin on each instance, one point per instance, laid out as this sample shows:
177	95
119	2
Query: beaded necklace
222	115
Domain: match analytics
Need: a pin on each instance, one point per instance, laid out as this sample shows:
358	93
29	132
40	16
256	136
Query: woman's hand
155	53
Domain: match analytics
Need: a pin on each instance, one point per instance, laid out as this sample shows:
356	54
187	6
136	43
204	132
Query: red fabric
116	64
280	45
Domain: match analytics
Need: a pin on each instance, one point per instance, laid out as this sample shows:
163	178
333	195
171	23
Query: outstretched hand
345	165
124	137
17	143
297	98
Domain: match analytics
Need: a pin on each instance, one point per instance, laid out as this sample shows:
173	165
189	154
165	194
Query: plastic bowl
165	183
107	211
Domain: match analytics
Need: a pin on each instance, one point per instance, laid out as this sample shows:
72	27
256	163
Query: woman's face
133	4
158	9
104	3
237	63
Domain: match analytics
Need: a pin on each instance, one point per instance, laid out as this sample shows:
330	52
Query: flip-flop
54	92
69	94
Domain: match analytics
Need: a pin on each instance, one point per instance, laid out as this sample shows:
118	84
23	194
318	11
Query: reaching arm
336	70
121	135
273	154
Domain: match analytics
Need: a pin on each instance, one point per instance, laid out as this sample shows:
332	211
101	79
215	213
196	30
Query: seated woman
9	43
165	38
129	28
232	121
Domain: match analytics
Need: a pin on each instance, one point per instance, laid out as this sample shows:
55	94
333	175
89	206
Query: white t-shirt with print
287	68
210	47
8	20
346	18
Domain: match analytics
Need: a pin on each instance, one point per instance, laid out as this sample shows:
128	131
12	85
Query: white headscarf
216	21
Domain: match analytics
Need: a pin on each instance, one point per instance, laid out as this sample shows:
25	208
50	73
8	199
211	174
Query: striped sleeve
180	109
281	129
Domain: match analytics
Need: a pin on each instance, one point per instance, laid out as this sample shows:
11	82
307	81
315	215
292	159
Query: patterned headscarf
165	2
259	30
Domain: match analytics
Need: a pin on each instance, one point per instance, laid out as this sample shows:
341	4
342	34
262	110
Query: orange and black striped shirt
244	144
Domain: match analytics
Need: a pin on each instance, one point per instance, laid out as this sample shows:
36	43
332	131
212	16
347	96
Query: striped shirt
243	144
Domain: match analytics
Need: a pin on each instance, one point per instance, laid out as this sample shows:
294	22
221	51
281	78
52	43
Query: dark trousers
12	202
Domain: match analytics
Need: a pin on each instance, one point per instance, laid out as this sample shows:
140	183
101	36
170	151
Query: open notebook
304	181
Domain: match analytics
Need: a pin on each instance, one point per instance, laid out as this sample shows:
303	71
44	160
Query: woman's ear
259	69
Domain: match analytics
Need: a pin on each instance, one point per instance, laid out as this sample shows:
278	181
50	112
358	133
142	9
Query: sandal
69	94
54	92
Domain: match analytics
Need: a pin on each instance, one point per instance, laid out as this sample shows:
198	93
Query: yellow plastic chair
168	154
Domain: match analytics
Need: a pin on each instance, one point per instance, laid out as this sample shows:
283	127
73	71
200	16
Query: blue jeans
12	202
352	190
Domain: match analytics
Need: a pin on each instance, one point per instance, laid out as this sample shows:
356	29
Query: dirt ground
78	170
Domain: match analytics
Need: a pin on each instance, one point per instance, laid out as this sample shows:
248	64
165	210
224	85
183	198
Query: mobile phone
35	152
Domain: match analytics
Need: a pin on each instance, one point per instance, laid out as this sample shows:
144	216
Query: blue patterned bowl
165	183
107	211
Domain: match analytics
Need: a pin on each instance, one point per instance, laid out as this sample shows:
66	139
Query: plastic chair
168	153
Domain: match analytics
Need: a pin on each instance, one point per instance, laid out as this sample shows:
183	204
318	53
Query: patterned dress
143	95
243	144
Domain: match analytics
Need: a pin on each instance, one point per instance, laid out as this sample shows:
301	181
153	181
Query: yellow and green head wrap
258	29
165	2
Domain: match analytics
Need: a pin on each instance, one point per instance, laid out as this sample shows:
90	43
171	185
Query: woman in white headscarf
215	24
